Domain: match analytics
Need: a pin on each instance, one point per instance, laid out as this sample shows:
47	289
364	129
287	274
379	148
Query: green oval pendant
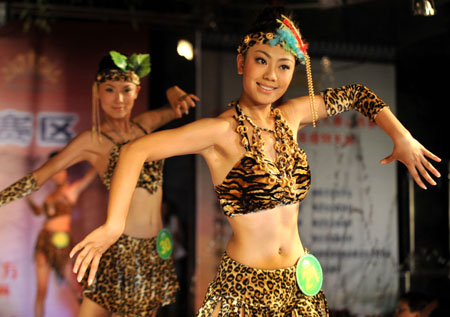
164	244
309	275
60	239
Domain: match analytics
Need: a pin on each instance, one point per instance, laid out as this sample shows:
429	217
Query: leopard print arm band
24	186
356	97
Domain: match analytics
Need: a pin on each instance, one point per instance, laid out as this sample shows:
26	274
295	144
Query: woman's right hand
180	101
91	249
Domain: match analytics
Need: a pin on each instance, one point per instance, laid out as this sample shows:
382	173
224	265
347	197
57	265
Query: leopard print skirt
244	291
56	257
132	280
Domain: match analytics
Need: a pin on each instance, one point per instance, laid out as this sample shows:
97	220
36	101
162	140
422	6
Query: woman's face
267	72
117	98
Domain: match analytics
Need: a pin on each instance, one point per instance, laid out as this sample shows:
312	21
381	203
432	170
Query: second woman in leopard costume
260	173
131	258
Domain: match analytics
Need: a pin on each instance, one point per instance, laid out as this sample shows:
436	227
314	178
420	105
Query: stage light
185	49
424	7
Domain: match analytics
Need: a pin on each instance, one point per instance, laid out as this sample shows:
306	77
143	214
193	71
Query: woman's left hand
180	101
90	251
416	158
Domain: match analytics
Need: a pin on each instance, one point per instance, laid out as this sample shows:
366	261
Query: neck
257	112
120	125
122	129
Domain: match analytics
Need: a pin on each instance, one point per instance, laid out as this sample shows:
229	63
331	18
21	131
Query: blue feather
288	41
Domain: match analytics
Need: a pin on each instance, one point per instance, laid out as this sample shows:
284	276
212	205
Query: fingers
76	248
93	270
185	102
430	167
416	177
79	259
432	156
84	264
425	175
387	159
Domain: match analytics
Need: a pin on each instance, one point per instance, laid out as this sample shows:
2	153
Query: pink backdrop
45	100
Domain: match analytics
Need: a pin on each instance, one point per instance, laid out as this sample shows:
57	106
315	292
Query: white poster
349	218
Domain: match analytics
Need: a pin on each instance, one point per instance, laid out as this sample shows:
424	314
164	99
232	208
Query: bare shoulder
295	110
143	117
225	122
88	143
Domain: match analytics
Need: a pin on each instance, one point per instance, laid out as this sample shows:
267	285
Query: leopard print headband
118	75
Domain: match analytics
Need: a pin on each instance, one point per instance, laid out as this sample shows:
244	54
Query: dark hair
106	64
266	21
415	300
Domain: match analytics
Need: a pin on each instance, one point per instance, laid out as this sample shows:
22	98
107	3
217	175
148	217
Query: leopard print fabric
23	187
240	290
150	178
118	75
257	183
132	280
56	257
356	97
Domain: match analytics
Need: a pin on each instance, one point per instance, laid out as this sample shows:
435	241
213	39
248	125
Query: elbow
131	152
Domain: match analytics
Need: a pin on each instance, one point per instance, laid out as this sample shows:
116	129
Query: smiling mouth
267	88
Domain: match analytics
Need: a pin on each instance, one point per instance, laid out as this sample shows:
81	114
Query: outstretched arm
193	138
360	98
407	149
179	104
71	154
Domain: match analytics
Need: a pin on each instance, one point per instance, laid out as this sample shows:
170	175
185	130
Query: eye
260	60
108	89
285	67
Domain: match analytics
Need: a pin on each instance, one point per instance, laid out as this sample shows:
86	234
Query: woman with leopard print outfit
133	280
54	242
260	176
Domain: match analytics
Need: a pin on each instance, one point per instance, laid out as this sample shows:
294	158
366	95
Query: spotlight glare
185	49
424	7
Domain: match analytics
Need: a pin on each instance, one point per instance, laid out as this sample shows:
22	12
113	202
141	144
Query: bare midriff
267	239
144	218
58	223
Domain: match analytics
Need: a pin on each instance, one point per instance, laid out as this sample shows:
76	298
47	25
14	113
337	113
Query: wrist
114	229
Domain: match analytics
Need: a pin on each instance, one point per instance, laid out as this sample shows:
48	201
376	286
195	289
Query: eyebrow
110	85
269	56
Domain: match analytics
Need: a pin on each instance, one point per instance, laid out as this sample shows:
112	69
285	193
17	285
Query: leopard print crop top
151	176
257	183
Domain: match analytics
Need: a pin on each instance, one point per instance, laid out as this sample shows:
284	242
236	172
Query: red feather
303	46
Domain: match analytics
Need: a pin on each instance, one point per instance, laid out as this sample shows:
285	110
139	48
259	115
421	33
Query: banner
45	101
349	217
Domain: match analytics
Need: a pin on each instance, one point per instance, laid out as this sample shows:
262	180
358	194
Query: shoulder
144	119
294	111
83	140
223	123
89	143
